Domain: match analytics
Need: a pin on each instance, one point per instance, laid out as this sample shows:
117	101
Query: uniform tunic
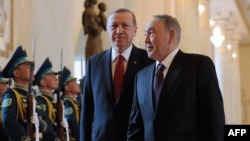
13	113
72	115
46	101
3	132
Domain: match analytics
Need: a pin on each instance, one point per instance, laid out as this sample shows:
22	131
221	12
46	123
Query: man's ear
136	30
16	73
171	36
42	82
66	88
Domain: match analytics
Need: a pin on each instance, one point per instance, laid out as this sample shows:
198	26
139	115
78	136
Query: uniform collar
21	87
68	97
47	94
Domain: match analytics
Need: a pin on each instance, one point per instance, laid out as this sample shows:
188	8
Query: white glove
34	119
65	123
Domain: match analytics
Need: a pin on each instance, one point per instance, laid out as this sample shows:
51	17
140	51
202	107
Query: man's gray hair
170	23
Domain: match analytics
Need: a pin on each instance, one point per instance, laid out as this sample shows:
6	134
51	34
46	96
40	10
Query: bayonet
31	102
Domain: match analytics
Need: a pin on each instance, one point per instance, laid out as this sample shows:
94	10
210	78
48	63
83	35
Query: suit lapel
149	86
106	65
133	66
173	73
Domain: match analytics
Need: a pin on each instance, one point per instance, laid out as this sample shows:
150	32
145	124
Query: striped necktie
158	80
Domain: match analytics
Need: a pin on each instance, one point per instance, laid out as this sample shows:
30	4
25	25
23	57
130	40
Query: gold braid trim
51	111
20	106
75	107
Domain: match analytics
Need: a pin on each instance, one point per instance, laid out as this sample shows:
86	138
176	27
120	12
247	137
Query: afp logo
237	132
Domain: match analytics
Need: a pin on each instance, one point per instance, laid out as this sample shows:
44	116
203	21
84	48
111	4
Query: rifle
59	117
31	103
60	107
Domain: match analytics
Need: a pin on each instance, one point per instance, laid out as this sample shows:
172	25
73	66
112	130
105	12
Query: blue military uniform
14	113
14	109
71	113
48	132
3	133
46	100
14	101
71	106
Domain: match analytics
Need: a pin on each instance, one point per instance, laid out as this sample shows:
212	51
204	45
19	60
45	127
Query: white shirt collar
125	53
168	60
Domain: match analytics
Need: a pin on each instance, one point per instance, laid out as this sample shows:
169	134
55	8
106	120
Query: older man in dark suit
180	100
107	93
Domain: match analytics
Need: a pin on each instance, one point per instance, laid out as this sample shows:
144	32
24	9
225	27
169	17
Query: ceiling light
217	38
229	46
234	55
201	9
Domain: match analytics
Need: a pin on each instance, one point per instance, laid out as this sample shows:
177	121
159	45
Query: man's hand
34	119
65	123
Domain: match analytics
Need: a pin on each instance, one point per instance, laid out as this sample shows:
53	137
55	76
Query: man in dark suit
189	104
104	114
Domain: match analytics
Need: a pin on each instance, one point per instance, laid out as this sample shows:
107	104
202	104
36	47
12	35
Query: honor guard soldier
71	90
14	106
3	86
47	82
14	100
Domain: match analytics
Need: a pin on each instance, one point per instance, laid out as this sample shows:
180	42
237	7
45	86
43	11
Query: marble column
235	82
222	66
227	66
205	46
186	12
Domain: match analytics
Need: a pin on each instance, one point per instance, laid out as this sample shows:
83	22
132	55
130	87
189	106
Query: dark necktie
118	76
158	80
